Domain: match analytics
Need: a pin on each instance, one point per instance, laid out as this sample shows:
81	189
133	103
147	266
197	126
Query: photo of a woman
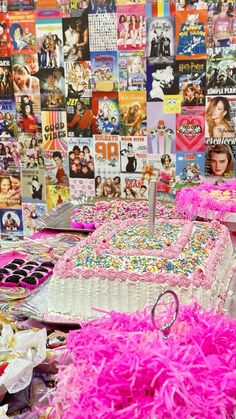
223	24
28	121
219	119
221	161
10	191
132	161
166	175
81	122
23	82
5	186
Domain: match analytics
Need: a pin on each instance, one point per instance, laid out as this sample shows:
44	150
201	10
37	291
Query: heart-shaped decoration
190	132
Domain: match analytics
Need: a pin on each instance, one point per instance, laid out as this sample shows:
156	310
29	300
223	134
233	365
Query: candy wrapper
20	352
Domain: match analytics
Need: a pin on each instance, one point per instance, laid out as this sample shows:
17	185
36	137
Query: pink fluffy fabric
190	200
120	367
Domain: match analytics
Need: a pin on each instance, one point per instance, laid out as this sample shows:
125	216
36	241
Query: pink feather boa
120	367
190	200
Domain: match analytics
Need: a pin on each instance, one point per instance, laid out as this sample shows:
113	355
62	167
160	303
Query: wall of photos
98	97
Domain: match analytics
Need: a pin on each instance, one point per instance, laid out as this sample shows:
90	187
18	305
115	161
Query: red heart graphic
190	143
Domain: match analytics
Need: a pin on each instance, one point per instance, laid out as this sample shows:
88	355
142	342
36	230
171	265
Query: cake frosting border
66	269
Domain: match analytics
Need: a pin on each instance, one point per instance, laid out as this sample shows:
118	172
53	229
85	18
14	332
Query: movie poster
131	28
134	187
220	116
132	70
161	129
28	111
82	188
107	166
6	87
30	151
221	76
220	157
190	129
79	117
161	40
14	5
106	113
221	24
9	155
162	80
8	124
33	186
75	31
104	71
102	32
52	89
56	168
78	79
190	169
81	158
133	118
54	130
22	32
56	195
133	154
49	43
31	212
192	82
10	188
11	224
191	35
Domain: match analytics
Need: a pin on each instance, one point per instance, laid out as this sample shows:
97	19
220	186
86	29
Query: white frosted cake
120	267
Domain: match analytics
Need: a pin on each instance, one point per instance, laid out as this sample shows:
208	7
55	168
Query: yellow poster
172	104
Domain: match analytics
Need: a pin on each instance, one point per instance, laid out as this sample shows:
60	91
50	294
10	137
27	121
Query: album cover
220	157
107	163
52	89
103	32
33	186
54	130
162	79
105	112
56	167
104	71
49	42
133	118
182	5
56	195
79	117
161	129
131	28
8	124
9	155
190	169
191	35
161	40
30	151
133	154
76	38
220	116
221	23
192	82
11	225
10	188
31	212
82	188
190	129
78	79
6	87
14	5
101	6
221	76
132	70
134	187
81	158
22	32
28	112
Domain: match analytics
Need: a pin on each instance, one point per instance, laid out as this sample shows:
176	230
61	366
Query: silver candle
152	206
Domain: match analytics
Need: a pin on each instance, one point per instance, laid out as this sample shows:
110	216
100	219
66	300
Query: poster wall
98	97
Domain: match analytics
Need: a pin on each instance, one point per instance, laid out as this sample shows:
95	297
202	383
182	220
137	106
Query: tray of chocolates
29	274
